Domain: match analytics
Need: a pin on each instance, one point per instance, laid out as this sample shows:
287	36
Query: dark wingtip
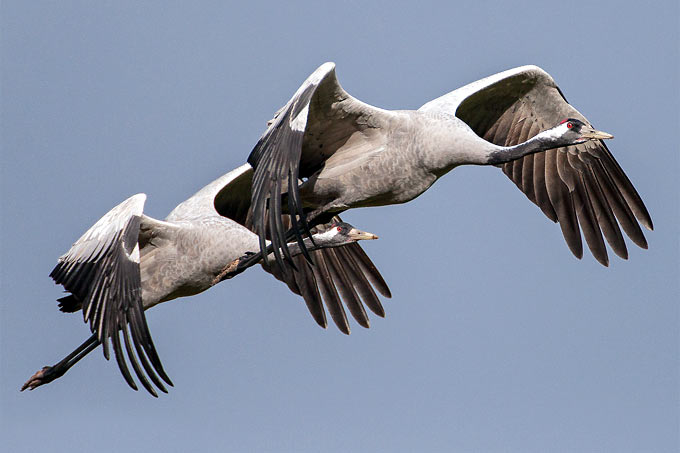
364	322
576	249
69	304
601	255
623	254
640	240
603	261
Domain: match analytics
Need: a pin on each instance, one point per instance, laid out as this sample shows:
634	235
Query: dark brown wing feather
336	276
580	185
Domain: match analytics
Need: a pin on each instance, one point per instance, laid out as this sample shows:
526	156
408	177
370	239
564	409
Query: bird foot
43	376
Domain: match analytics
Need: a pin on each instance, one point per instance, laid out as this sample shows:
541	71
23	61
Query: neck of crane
250	259
320	241
451	142
504	154
294	248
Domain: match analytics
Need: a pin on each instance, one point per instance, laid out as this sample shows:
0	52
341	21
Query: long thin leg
50	373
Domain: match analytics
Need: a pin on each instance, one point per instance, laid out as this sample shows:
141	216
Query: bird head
344	233
572	131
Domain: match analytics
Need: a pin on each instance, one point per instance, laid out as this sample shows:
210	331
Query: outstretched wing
343	274
315	123
577	185
101	271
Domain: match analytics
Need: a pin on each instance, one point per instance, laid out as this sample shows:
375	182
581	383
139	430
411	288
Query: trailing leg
50	373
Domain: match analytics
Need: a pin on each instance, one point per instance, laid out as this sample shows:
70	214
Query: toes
36	380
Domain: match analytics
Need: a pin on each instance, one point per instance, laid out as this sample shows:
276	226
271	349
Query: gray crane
128	262
350	154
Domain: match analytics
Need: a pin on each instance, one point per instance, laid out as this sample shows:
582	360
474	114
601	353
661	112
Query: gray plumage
350	154
128	262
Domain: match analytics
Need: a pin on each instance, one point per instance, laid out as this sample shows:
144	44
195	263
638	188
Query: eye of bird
570	122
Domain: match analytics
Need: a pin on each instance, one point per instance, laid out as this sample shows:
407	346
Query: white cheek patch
557	132
327	235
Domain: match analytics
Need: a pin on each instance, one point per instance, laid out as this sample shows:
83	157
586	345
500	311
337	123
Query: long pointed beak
592	134
358	235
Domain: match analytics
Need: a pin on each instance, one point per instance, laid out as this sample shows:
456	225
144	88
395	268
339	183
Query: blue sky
496	339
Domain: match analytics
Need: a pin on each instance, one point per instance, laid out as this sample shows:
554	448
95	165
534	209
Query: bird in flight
128	262
348	154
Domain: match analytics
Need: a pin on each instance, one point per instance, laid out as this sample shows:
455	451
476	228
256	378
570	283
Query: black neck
533	145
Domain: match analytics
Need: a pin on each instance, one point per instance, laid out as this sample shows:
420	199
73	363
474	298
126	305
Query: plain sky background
496	339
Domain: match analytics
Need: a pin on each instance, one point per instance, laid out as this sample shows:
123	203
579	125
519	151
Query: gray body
188	259
409	157
192	246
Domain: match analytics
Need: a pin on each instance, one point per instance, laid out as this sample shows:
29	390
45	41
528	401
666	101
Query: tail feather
69	304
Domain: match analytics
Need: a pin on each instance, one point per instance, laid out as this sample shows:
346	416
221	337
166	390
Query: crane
349	154
128	262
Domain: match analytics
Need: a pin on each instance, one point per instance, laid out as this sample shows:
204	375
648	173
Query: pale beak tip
359	235
598	135
368	236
